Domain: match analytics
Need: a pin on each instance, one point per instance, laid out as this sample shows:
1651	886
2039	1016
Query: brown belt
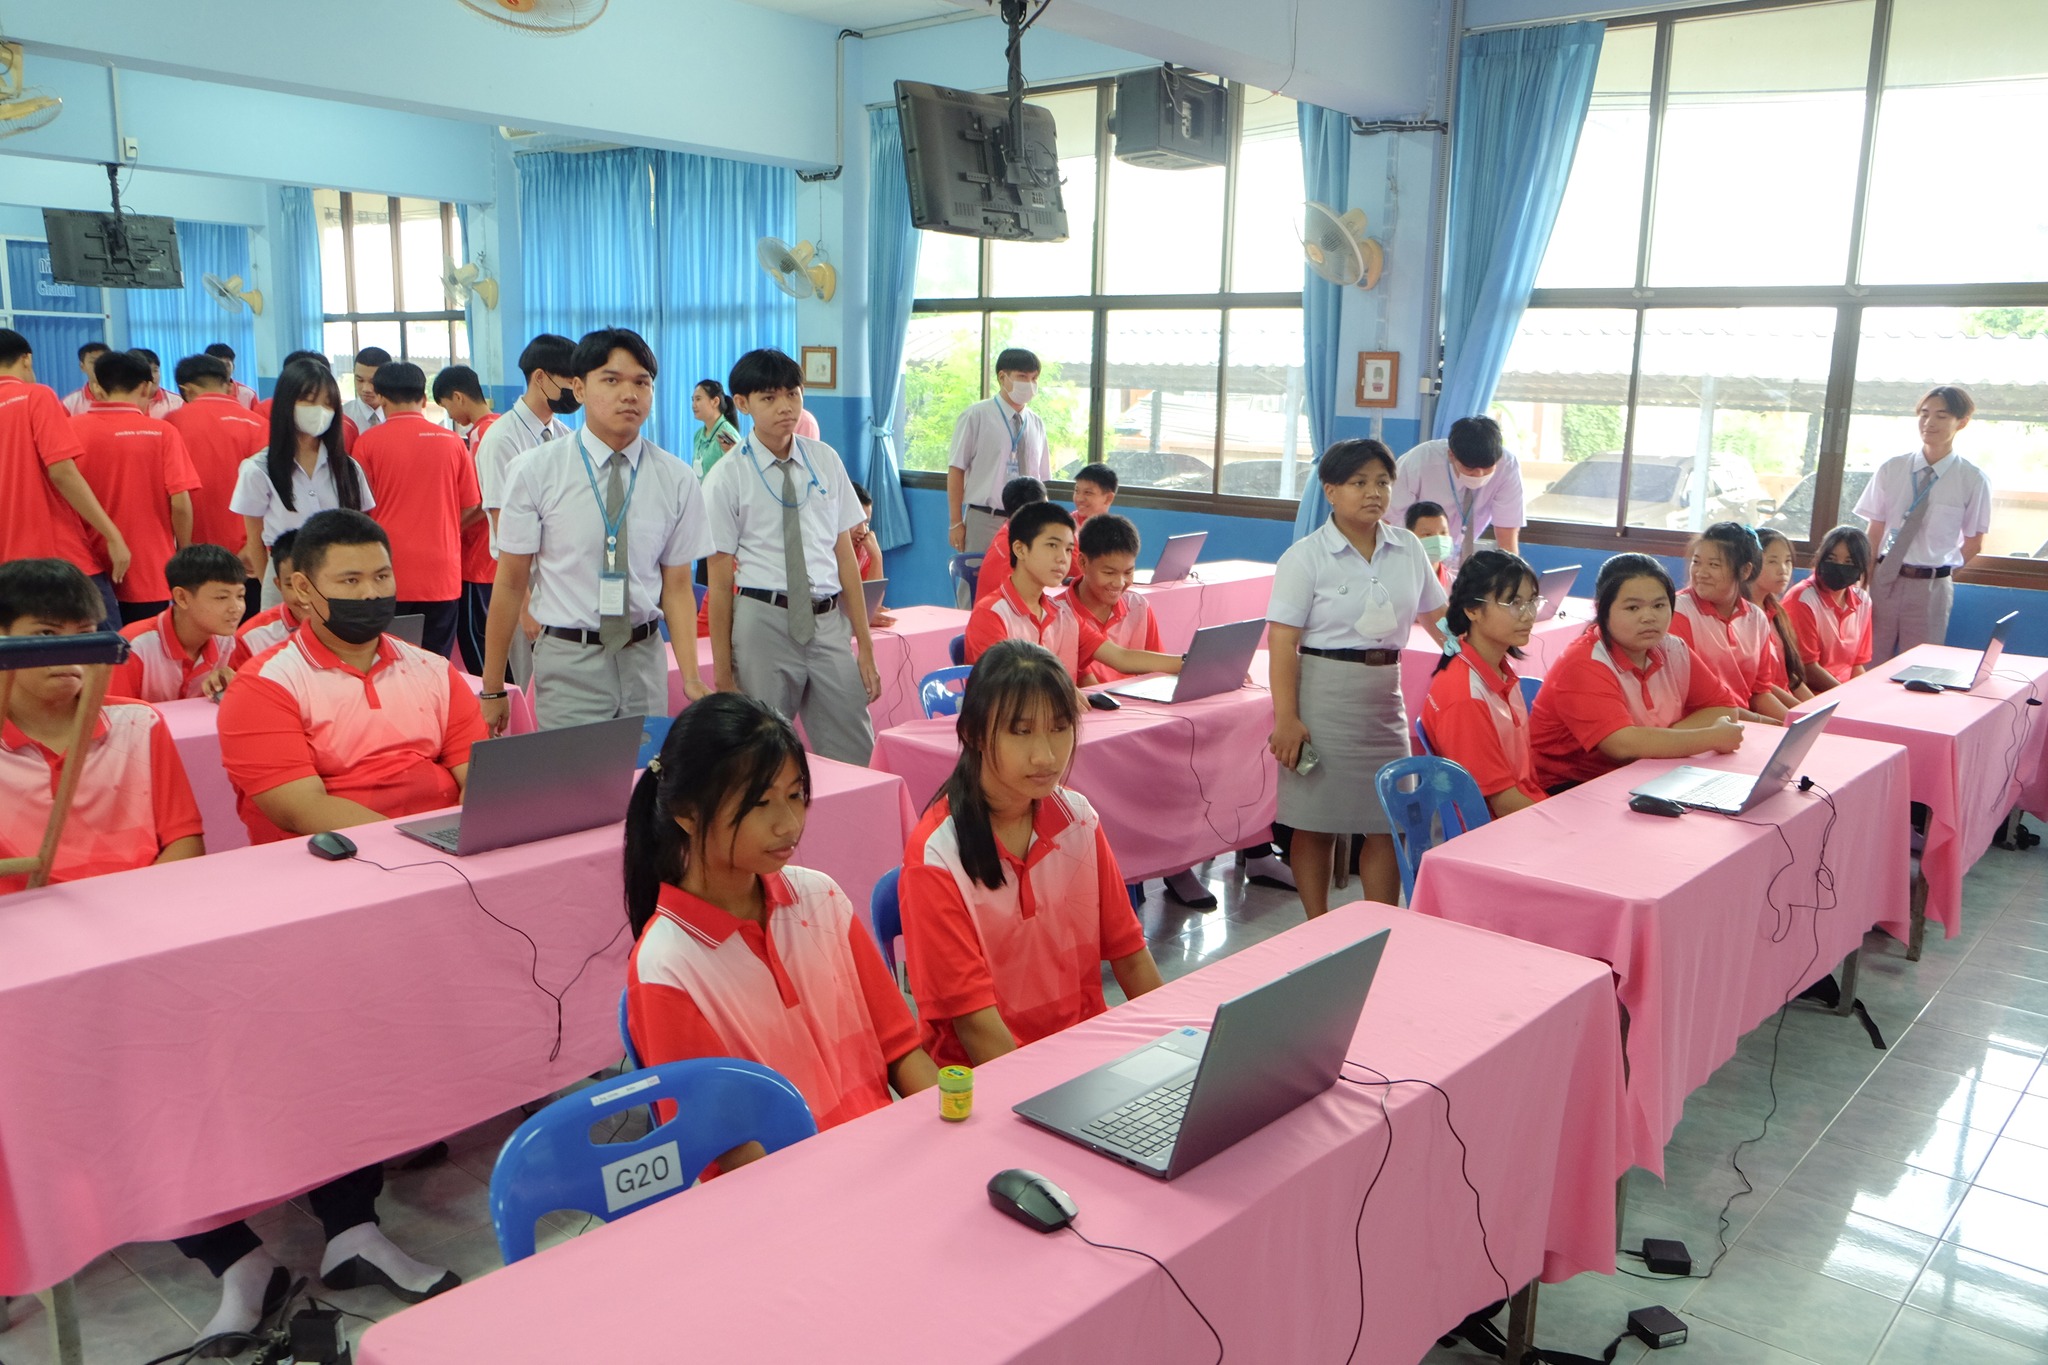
1371	658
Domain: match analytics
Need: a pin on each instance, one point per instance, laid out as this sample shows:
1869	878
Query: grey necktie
802	625
613	632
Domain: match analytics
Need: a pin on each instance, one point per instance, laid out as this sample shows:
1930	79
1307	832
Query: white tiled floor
1900	1214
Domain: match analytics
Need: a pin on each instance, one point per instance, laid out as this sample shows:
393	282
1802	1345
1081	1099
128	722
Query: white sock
368	1241
1269	865
241	1294
1187	885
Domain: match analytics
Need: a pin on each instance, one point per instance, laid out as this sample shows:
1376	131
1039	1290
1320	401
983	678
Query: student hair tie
1450	646
654	766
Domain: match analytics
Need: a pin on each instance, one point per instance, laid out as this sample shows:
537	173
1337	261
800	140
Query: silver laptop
1215	663
1179	1100
1737	793
411	628
1959	679
1553	586
1177	558
527	787
873	589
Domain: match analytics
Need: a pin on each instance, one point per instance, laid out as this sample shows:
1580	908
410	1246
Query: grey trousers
577	684
981	529
819	682
1908	612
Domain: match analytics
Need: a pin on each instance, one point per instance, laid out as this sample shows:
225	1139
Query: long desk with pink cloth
1213	594
191	1041
874	1241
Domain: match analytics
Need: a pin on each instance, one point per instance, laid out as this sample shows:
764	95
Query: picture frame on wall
821	367
1379	379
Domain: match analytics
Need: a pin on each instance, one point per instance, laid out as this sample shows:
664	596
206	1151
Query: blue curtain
1326	178
53	338
176	323
892	273
586	224
299	309
1522	97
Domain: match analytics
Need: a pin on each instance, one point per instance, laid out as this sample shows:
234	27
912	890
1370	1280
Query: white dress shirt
994	443
1958	506
745	493
362	414
256	496
552	513
511	436
1424	474
1322	585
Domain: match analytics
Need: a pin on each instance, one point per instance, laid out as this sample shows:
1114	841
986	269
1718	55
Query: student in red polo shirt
46	505
133	805
426	496
343	724
739	953
1714	615
461	395
1783	669
219	433
1018	494
1628	688
1474	714
1108	549
1831	610
275	625
1011	897
183	652
138	466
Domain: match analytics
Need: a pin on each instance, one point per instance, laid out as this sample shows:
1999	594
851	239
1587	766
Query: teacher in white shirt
1935	506
1478	484
994	441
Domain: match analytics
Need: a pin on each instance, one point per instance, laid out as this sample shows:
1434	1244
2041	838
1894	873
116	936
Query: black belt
1371	658
1925	571
992	511
591	637
819	605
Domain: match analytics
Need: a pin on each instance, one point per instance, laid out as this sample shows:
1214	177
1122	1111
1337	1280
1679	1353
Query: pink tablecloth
875	1241
1974	756
190	1041
1546	642
1213	594
1175	784
1707	926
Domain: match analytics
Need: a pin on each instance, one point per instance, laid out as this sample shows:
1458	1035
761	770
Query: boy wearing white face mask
993	442
1475	483
303	470
1427	523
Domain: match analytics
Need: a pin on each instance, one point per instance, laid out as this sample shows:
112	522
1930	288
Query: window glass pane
1065	346
1165	231
373	255
1958	72
32	285
340	340
1027	269
1762	133
1594	243
941	376
2001	356
948	266
1728	413
1266	253
333	269
423	253
1266	450
1562	406
1160	401
462	348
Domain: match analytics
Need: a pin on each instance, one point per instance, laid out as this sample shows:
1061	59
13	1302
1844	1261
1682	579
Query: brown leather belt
1371	658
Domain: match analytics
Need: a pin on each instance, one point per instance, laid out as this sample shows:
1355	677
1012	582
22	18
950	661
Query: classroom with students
682	681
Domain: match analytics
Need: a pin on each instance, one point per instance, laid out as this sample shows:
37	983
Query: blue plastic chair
1421	739
550	1163
956	649
653	734
700	589
1421	793
1530	687
626	1037
941	690
963	570
885	916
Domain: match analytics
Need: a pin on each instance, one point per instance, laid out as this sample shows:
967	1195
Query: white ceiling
862	14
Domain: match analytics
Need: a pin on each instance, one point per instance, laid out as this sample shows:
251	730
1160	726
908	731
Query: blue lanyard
1016	428
1920	497
796	449
611	527
1470	495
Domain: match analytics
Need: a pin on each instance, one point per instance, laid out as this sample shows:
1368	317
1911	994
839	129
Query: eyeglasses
1525	607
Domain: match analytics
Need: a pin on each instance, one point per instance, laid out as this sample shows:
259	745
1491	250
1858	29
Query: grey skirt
1357	724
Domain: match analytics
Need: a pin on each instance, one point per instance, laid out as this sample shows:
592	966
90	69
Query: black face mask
359	620
564	401
1835	577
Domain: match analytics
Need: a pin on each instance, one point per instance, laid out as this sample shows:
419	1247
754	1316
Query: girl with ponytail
1474	714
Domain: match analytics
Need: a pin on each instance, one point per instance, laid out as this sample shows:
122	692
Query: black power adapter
1666	1257
1657	1327
317	1335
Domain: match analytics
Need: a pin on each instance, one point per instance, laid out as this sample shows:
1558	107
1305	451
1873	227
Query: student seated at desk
1011	897
739	953
1430	524
1109	565
1831	610
1628	688
1783	669
1713	614
133	805
343	724
1474	714
274	626
1018	494
183	652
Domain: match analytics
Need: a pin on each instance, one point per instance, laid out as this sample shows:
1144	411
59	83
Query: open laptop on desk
872	589
1176	558
1553	586
1215	663
1736	793
527	787
1179	1100
1963	679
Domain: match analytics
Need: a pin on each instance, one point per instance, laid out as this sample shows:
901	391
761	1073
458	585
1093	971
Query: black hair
1099	474
1475	442
1108	534
1021	492
548	353
722	754
200	369
156	362
715	391
120	371
281	548
596	348
308	381
457	379
323	531
1954	397
1030	520
1486	577
13	346
1012	679
1858	545
49	590
1345	458
318	357
400	381
1017	360
862	496
220	350
373	356
1619	570
1745	553
1421	511
1774	607
197	565
92	348
763	371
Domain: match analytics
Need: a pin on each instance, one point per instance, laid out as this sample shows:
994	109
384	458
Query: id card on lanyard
611	581
1016	429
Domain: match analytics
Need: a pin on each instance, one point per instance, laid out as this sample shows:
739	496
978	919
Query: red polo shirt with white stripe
35	521
261	632
1073	636
1833	629
387	739
477	564
1593	691
804	992
1033	947
1736	646
1131	624
1480	722
424	479
134	464
132	802
158	668
219	434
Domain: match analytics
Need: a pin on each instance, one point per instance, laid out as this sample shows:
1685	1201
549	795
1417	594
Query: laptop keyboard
1148	1123
1726	791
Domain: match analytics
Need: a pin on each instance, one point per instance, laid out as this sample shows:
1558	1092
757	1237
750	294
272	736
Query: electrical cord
1134	1251
1358	1223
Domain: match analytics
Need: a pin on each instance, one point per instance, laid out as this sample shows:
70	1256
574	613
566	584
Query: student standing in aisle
159	402
1476	482
719	425
237	390
614	525
143	476
1928	513
427	495
303	470
461	394
535	419
366	409
993	442
48	504
219	433
785	587
81	398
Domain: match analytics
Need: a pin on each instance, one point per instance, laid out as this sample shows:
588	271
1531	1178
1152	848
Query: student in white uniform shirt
994	441
1935	506
302	471
783	637
1478	484
535	419
366	409
615	525
161	402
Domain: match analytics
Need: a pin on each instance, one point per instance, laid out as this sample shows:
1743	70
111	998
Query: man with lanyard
1938	507
616	525
993	443
535	419
1478	484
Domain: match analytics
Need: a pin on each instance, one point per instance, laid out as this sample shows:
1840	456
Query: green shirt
706	449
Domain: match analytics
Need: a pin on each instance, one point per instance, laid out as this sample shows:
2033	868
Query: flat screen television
105	251
961	178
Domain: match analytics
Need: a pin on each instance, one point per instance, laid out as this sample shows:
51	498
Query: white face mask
1471	481
313	418
1377	618
1022	391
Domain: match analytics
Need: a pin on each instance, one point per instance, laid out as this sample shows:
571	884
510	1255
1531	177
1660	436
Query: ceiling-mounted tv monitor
962	178
113	251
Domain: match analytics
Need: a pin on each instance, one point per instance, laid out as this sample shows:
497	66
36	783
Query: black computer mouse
1031	1199
1655	805
1922	685
332	845
1102	701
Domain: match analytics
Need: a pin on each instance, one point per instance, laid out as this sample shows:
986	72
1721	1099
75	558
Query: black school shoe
358	1272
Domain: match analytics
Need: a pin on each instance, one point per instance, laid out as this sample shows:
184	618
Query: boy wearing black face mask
535	419
342	724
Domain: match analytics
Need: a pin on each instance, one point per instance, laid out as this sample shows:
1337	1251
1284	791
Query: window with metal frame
381	264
